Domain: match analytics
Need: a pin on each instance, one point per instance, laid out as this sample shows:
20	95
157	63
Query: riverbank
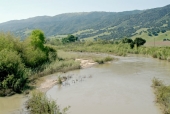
128	79
162	93
118	87
47	84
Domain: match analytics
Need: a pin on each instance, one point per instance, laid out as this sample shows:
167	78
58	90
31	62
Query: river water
119	87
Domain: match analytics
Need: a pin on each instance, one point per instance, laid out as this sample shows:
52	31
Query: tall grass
38	103
120	49
162	93
57	66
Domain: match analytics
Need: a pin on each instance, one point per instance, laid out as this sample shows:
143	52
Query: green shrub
12	71
156	82
108	58
162	95
34	57
100	61
40	104
8	41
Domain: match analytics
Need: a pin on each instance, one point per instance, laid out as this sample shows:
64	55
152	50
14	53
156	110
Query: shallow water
119	87
11	105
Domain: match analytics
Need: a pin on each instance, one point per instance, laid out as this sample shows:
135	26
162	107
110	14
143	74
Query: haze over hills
106	25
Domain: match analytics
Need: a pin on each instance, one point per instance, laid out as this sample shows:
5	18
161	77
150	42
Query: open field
158	43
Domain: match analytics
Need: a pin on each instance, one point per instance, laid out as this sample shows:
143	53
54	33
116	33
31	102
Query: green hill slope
105	25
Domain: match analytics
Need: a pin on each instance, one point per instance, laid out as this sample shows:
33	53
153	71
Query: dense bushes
34	57
12	71
34	52
69	38
18	59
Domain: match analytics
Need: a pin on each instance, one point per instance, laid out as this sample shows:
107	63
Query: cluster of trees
18	58
69	38
138	42
156	31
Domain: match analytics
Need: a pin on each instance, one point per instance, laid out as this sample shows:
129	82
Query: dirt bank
49	83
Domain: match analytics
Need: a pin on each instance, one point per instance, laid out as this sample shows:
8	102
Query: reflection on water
120	87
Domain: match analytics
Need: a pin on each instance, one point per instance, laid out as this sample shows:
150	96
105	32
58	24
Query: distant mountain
106	25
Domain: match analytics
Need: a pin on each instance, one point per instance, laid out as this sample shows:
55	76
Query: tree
35	53
72	38
139	41
163	31
12	71
37	39
149	34
155	33
127	40
69	38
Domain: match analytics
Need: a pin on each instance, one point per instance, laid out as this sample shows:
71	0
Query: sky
23	9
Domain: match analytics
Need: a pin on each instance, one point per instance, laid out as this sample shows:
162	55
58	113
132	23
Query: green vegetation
92	25
103	60
69	38
21	62
13	75
139	41
40	104
116	47
144	34
162	95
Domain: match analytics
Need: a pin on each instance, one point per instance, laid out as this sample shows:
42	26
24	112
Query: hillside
105	25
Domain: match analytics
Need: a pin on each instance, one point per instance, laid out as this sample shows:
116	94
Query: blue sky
22	9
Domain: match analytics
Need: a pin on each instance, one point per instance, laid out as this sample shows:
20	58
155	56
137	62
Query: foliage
8	41
156	82
35	53
18	60
162	95
34	57
103	60
117	48
139	41
127	40
12	71
40	104
100	61
69	38
37	39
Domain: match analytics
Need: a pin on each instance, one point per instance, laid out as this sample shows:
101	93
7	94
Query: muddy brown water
119	87
11	105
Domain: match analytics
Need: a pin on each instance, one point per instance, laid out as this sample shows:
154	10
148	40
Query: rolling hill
105	25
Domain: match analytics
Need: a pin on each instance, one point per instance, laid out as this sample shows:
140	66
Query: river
119	87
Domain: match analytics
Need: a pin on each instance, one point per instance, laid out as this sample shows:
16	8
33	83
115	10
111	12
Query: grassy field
145	36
